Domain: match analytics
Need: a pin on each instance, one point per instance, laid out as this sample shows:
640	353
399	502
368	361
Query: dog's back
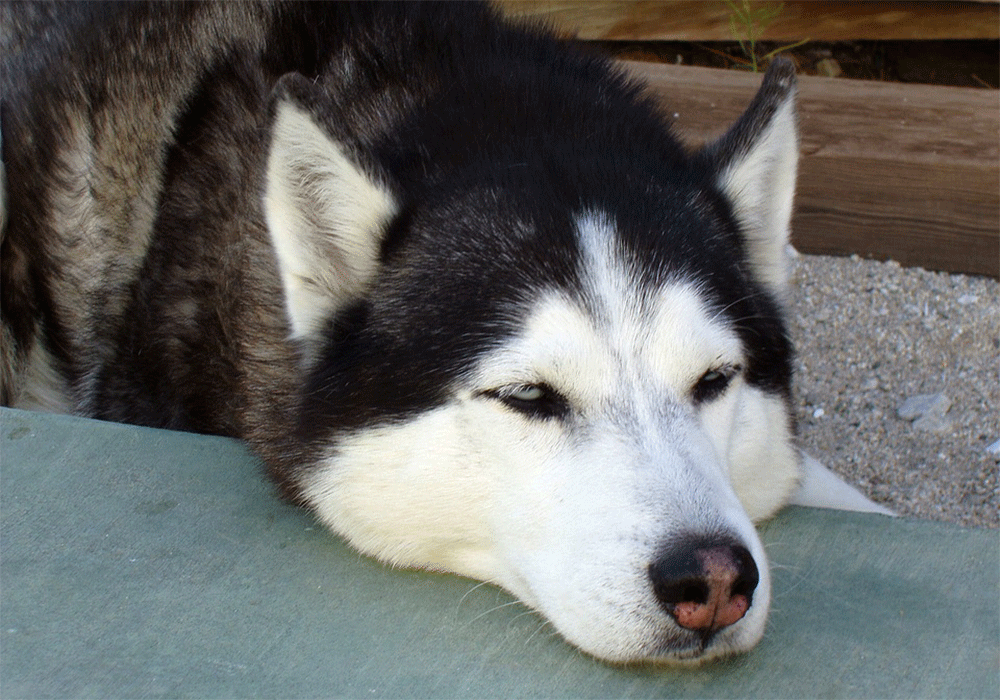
92	94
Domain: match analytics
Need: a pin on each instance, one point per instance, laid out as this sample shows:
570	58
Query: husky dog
452	279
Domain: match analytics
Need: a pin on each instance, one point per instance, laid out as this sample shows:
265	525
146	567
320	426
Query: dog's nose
705	584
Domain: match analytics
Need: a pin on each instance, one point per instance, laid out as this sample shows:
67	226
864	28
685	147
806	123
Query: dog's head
557	364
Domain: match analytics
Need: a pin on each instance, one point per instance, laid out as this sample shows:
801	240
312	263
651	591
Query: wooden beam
889	171
708	20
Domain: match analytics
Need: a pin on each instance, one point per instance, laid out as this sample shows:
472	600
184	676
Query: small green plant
747	24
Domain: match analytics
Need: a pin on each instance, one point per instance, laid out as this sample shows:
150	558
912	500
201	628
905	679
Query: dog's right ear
325	213
755	165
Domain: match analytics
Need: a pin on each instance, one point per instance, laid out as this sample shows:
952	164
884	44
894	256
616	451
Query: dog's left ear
755	164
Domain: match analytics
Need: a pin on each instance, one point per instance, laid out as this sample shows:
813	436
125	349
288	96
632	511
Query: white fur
763	464
325	216
762	187
567	514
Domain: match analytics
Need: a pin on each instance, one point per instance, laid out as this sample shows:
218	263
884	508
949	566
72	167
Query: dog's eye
532	392
713	383
533	400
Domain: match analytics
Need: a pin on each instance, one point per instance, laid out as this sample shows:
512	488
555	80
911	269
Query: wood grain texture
708	20
889	171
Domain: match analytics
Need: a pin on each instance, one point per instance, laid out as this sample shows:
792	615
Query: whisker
544	623
492	610
470	592
728	306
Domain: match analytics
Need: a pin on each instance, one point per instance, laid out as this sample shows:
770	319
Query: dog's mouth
683	649
692	648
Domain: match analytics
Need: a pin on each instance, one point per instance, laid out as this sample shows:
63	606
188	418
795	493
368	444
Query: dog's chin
671	647
692	652
681	651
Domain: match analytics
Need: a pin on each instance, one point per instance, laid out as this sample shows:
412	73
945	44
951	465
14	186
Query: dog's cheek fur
752	431
410	493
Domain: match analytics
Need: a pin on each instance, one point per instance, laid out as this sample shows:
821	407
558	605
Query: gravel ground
872	335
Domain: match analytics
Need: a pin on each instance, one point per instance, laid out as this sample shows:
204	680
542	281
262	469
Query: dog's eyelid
714	382
721	372
537	400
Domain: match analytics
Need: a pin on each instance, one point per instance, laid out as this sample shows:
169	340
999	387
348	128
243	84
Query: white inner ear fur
326	217
761	187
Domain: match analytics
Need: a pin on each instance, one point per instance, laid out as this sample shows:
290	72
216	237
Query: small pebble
923	405
933	423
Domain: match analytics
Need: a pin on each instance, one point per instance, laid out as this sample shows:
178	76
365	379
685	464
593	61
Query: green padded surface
146	563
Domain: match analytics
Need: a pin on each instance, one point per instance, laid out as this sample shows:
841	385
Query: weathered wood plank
708	20
907	172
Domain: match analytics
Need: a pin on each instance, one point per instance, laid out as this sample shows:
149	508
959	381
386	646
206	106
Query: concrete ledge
145	563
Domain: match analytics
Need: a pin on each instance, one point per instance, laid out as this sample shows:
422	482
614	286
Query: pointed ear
326	215
755	164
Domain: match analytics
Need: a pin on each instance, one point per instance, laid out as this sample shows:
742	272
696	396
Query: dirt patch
964	63
876	339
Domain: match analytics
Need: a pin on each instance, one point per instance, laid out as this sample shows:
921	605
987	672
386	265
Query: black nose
705	583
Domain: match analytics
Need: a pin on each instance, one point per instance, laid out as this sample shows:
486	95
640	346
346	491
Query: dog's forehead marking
667	330
616	334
